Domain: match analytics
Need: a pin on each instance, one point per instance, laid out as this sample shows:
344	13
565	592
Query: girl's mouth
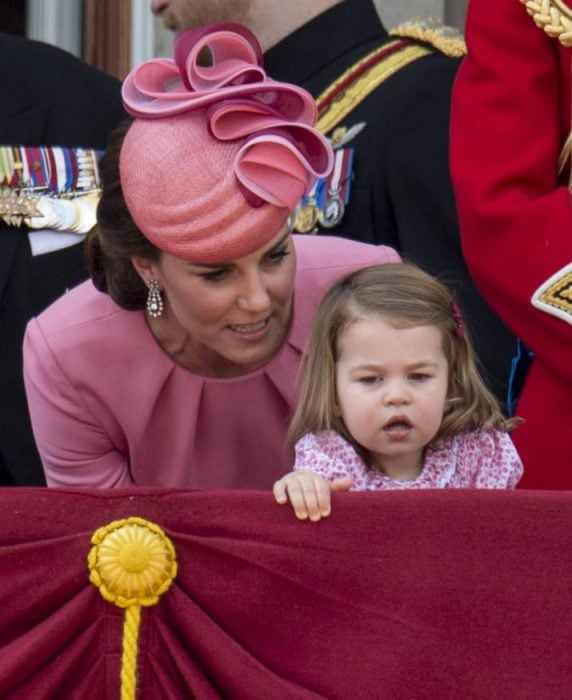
398	427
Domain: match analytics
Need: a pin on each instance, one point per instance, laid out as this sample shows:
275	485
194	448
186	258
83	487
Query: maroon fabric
396	595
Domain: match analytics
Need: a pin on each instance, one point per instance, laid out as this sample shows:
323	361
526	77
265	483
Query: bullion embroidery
555	295
445	39
553	16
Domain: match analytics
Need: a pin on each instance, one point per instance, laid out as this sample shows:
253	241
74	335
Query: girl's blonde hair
404	296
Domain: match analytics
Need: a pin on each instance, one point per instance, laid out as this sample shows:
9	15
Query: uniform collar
338	31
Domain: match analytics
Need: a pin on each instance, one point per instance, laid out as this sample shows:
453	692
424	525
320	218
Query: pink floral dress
481	459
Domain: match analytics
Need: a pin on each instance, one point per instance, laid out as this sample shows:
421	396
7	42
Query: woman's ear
146	269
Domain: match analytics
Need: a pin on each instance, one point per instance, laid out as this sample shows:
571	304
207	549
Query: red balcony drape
432	594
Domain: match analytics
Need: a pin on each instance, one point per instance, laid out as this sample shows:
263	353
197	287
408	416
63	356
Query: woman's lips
250	329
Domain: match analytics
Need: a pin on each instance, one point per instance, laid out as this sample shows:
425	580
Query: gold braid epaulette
347	99
445	39
553	16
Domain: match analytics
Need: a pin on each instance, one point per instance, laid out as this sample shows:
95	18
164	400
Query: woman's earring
154	300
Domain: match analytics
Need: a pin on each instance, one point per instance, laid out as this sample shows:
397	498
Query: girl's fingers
323	496
279	491
297	496
308	493
344	484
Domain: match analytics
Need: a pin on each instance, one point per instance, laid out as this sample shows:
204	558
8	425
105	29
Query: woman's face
227	320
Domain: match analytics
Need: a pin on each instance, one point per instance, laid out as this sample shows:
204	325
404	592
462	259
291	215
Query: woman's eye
419	377
277	256
215	275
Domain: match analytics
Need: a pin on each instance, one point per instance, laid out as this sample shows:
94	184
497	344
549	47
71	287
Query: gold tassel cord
129	652
132	563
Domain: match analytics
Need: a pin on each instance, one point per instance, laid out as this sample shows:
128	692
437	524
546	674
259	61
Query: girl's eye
276	256
369	380
419	377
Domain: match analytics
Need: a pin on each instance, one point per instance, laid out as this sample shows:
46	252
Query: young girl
392	397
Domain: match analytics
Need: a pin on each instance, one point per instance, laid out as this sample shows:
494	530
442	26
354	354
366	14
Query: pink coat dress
110	408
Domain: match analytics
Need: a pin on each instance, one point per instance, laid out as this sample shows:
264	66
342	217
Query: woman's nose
254	295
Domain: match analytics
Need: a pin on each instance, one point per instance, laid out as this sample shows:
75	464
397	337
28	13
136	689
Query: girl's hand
308	492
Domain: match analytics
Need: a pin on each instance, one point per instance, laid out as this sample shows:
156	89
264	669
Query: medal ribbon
57	169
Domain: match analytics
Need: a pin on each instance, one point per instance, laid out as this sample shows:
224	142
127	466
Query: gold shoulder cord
553	16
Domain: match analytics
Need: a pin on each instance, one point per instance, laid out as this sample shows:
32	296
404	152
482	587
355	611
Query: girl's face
391	391
226	320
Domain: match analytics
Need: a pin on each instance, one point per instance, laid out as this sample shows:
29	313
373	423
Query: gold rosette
132	563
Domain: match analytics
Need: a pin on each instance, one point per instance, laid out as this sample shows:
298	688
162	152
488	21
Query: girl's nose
395	394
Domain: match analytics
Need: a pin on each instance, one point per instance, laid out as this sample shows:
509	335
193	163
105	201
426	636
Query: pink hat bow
282	154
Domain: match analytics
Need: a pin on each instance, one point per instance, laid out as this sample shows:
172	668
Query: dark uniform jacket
47	97
401	192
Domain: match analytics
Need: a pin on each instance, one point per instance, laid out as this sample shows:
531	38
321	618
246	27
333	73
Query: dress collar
334	33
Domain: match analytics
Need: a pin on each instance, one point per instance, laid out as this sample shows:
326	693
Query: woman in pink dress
176	364
392	398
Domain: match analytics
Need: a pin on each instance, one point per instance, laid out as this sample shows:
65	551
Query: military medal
52	187
325	205
307	213
332	213
333	208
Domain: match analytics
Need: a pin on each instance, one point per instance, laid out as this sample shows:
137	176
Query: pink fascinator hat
218	156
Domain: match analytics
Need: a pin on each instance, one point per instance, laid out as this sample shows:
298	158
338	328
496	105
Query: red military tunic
510	121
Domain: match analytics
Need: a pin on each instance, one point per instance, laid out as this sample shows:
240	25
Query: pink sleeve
494	460
326	454
75	450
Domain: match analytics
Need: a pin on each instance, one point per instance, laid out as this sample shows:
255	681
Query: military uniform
47	97
510	123
400	189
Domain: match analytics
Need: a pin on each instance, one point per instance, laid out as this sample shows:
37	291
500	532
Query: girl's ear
146	269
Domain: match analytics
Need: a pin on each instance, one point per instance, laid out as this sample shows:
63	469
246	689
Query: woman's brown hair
404	296
115	238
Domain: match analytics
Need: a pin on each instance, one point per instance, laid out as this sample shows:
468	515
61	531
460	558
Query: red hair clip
458	330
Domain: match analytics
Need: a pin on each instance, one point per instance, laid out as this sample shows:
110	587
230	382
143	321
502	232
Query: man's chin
170	22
